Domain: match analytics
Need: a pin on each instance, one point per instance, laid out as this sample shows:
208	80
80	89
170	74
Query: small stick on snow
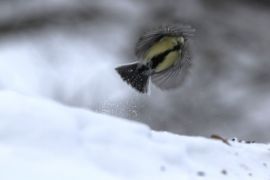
217	137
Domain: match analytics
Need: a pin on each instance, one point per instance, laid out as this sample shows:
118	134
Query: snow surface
41	139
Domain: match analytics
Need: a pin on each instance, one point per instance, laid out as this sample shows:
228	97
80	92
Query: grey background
66	50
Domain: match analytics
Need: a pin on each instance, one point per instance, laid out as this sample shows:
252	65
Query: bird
163	58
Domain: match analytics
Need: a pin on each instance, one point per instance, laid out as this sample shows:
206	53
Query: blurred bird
164	57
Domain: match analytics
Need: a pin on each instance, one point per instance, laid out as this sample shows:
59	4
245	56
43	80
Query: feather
175	75
150	38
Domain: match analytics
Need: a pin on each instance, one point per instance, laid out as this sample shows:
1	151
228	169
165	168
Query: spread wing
149	38
175	75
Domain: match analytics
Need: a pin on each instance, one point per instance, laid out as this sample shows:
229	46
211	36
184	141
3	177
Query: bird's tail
136	75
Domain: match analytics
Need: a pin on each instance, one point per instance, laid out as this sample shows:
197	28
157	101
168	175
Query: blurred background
66	50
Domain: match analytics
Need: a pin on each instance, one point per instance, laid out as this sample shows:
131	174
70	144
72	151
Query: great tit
163	56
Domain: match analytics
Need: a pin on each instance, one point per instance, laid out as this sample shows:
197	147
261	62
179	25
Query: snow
42	139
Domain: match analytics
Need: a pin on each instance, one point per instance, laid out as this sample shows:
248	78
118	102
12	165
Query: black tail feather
136	75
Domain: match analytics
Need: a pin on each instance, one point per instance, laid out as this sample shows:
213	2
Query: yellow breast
159	47
169	61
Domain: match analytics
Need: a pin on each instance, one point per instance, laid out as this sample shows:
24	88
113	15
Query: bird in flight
163	56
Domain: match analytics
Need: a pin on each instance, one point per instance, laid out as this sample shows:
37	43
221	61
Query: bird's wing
175	75
150	38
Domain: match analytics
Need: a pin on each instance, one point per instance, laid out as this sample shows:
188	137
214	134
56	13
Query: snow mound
41	139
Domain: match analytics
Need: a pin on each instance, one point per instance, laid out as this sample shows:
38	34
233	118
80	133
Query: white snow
42	139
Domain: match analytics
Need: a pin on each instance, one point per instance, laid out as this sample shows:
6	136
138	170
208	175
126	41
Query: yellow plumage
170	59
166	43
159	47
163	55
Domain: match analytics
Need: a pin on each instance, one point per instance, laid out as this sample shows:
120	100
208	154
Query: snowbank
41	139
